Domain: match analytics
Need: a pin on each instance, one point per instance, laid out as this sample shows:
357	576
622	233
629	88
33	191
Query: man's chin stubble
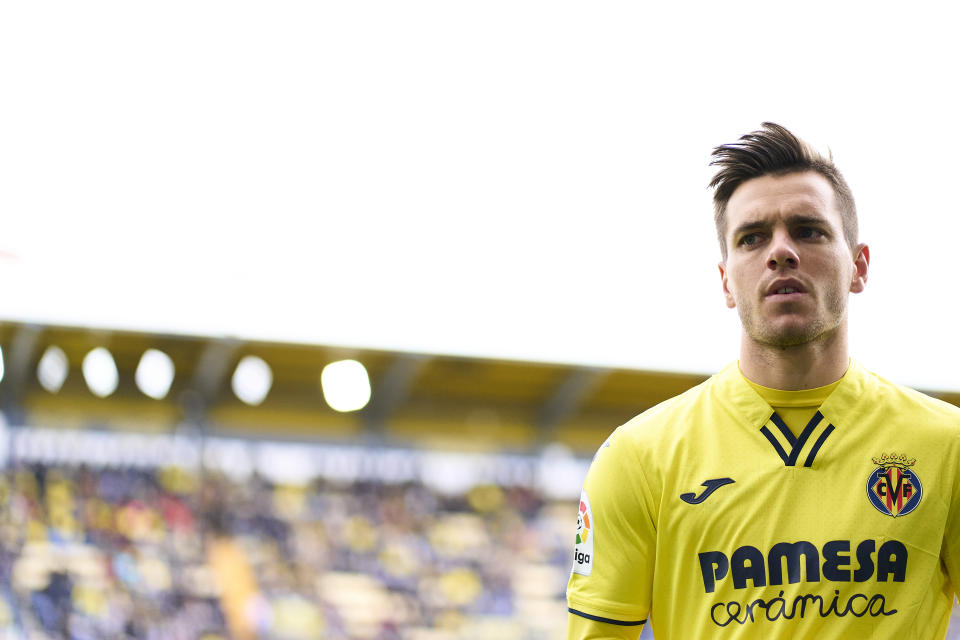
801	337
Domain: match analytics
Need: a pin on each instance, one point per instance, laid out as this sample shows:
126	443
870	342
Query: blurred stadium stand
442	509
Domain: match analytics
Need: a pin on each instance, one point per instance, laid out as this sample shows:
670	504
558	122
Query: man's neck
805	366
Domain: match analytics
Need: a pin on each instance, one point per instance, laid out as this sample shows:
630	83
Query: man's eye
810	232
750	239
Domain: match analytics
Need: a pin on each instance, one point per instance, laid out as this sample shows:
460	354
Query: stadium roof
417	399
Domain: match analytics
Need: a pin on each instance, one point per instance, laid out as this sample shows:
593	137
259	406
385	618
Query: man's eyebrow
747	227
792	220
806	219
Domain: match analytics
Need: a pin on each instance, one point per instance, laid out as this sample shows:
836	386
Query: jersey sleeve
580	628
614	551
951	539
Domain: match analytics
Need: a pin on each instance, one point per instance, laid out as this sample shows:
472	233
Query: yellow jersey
709	517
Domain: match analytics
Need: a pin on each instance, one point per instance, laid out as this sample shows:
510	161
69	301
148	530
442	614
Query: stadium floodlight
100	372
346	385
252	380
52	369
155	374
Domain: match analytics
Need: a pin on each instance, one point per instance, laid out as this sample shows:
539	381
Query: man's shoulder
901	398
875	399
669	416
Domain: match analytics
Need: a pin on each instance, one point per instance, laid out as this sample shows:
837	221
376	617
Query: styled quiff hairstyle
774	151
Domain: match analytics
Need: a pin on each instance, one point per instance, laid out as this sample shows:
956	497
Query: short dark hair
773	150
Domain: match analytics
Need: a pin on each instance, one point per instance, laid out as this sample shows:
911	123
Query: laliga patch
583	549
894	488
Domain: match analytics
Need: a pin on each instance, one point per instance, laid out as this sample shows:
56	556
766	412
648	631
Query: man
794	494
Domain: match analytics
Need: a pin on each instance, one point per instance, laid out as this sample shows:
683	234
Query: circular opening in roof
252	380
100	372
346	385
52	369
155	374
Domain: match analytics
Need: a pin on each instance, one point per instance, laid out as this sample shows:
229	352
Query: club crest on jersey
893	487
583	549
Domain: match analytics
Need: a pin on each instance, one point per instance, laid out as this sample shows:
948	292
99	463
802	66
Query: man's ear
861	264
731	303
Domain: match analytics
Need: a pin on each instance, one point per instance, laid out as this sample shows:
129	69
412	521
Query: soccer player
794	494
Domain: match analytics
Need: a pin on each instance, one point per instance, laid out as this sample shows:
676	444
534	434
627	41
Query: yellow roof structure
417	399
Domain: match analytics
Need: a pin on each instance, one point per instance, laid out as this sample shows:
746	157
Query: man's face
788	269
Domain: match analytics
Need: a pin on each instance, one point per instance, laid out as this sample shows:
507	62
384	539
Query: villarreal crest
893	488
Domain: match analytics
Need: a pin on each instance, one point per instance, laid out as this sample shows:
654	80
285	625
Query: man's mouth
785	289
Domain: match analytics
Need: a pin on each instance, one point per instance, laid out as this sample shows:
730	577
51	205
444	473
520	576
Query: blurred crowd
177	554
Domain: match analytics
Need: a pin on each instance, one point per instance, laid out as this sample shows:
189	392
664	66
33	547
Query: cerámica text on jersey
857	605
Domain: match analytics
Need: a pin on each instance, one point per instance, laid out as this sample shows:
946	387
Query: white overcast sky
498	178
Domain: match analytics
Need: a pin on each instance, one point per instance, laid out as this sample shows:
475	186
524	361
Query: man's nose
782	252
